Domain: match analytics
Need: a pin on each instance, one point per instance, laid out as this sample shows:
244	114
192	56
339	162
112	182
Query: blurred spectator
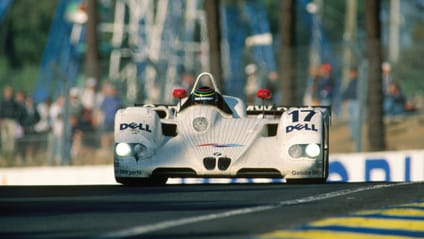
273	84
394	101
21	113
8	122
32	116
325	85
311	94
81	130
252	83
19	136
75	106
111	103
350	98
56	136
386	76
187	80
350	93
88	94
76	110
43	126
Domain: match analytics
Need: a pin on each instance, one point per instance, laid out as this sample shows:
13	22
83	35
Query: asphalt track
209	211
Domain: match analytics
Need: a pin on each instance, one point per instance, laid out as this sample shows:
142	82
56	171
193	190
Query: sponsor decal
374	169
130	172
266	108
308	172
299	127
220	145
203	98
136	127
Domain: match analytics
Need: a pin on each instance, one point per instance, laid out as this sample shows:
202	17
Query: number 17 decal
308	117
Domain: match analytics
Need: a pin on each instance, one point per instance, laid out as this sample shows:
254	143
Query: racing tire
326	161
152	181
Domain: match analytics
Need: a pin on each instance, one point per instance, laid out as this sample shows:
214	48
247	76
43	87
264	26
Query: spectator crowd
321	87
56	132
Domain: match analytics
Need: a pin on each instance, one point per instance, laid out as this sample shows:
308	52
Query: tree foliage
27	23
23	35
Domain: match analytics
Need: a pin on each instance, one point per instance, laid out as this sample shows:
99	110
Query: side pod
138	125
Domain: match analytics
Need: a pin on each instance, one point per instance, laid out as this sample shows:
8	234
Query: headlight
133	150
312	150
200	124
123	149
295	151
304	150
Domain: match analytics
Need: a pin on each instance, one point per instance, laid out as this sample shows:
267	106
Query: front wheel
151	181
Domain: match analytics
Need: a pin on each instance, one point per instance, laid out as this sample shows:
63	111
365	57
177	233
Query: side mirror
179	93
264	94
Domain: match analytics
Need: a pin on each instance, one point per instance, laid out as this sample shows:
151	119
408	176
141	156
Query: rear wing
278	110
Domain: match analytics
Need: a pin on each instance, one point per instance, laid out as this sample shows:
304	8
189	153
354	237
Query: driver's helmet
204	95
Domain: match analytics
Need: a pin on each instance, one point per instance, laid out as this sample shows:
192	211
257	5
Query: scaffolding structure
153	42
252	43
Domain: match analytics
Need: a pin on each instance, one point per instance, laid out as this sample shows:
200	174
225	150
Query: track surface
185	211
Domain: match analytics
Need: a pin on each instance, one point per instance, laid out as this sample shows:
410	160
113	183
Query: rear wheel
152	181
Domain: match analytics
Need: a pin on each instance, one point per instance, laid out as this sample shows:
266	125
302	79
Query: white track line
143	229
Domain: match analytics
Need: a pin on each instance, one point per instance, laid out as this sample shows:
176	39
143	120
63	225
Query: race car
210	135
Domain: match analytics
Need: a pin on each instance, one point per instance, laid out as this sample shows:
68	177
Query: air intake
209	163
224	163
259	173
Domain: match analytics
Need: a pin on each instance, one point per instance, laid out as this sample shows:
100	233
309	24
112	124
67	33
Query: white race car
207	134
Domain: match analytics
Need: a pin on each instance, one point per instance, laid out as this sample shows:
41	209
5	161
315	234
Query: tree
92	55
27	31
214	36
23	35
286	61
376	130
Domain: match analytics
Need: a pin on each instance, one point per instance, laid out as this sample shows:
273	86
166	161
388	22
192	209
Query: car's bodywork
224	139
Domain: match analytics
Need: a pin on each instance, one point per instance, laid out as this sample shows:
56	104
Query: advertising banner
395	166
